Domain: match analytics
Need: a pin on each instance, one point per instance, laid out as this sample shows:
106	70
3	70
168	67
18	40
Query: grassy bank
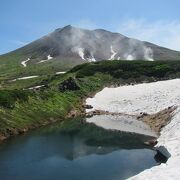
21	110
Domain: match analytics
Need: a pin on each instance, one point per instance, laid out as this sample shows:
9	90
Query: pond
74	150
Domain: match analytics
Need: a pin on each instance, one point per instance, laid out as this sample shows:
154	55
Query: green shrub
9	97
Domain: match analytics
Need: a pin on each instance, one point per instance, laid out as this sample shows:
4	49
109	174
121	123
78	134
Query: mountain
94	45
69	46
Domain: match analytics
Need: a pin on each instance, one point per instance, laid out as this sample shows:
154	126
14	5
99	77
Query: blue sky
22	21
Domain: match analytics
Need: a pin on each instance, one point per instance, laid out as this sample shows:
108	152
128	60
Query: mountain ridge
69	46
69	41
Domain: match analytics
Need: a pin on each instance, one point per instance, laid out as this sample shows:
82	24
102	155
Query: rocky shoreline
155	121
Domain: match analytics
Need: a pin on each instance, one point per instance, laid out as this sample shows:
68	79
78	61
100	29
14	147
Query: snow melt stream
150	98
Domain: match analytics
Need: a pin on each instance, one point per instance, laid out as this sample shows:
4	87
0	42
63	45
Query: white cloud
163	33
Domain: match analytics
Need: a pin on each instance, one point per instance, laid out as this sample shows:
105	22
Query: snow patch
61	72
36	87
23	78
24	63
49	57
113	53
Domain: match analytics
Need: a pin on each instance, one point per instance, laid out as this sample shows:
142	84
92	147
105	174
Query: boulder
86	106
69	84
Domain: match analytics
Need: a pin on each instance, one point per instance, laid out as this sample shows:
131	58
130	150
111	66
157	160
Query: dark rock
139	117
143	113
163	151
86	106
163	125
69	85
160	158
89	115
22	131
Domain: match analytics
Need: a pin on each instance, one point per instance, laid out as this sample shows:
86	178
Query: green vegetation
129	69
11	67
22	109
8	98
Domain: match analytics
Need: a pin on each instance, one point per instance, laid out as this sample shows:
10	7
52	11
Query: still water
53	153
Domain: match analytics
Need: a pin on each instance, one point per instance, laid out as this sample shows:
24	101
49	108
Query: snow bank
147	97
150	98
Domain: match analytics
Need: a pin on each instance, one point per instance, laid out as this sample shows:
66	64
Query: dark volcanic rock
69	85
86	106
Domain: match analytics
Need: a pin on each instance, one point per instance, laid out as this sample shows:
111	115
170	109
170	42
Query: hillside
61	96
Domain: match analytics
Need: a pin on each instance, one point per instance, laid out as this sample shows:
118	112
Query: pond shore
155	121
164	115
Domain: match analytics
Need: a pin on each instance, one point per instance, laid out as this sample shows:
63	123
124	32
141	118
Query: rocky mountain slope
69	46
93	45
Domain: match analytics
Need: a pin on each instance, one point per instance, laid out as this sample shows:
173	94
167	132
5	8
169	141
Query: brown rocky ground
158	120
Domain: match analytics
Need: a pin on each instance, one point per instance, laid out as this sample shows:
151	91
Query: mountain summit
72	46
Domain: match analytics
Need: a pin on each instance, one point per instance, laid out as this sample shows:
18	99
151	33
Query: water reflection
74	150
